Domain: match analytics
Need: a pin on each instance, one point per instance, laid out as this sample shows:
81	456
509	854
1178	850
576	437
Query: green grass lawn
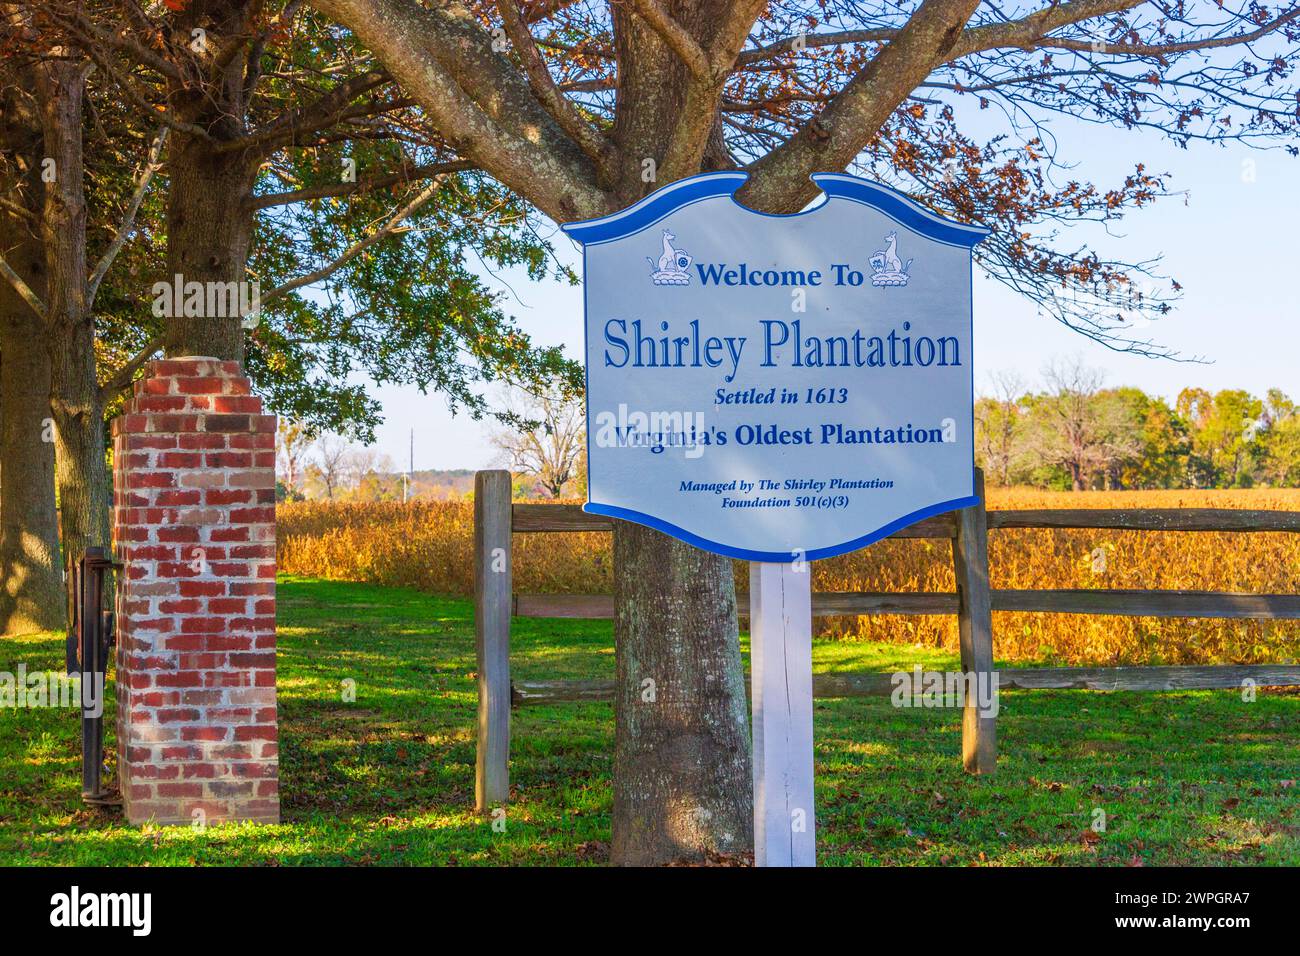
1184	778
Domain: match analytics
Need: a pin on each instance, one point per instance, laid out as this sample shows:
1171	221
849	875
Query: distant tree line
1076	434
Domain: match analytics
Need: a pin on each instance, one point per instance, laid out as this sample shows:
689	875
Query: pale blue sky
1231	244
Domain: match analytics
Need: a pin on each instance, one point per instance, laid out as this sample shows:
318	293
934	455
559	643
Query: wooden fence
496	519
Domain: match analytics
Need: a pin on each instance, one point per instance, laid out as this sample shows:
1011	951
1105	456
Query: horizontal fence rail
1217	604
527	693
972	602
1148	519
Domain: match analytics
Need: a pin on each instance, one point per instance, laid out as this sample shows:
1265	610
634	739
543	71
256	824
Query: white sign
778	388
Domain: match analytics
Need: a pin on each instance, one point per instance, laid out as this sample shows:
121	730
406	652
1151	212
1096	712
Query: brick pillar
194	527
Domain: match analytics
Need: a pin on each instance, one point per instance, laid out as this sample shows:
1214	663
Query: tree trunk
683	779
81	473
31	571
681	750
85	491
208	234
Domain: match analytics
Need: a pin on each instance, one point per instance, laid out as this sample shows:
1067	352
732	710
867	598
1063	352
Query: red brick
200	662
253	769
237	403
176	715
225	496
202	698
177	367
253	587
180	790
227	679
252	441
182	753
232	715
256	732
227	642
180	459
182	606
202	441
135	442
153	479
226	423
202	588
202	625
228	459
253	551
178	498
203	733
232	752
199	386
179	679
159	403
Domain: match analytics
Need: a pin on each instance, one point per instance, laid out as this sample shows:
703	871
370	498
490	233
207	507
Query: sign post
780	653
778	389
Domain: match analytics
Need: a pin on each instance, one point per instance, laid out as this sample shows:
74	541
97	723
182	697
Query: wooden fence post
492	595
970	557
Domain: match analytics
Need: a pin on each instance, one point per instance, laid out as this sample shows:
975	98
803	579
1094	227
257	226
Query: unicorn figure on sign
672	265
886	268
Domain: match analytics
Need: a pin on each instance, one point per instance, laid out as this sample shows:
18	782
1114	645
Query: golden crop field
428	545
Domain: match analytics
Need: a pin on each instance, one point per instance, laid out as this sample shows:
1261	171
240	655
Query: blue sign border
663	202
685	192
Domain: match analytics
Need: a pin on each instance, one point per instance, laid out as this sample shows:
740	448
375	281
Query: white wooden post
492	594
780	622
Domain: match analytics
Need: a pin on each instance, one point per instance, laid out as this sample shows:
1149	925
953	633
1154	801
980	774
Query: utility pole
410	470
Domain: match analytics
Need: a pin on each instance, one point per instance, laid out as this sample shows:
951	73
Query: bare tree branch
539	78
128	219
1027	31
354	250
475	97
833	138
1128	48
329	109
23	289
19	210
123	377
406	174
